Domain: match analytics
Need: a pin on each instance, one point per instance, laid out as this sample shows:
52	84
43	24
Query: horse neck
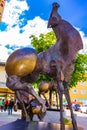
55	29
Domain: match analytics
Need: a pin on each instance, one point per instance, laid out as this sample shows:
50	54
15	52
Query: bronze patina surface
56	62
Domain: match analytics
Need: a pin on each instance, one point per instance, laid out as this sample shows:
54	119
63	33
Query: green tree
44	41
80	71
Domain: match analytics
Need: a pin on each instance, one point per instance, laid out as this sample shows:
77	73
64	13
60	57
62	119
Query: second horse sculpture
56	61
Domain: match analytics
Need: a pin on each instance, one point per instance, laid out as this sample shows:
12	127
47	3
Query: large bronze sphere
44	86
21	62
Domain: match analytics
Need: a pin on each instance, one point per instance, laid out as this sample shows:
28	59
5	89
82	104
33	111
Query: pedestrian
5	104
10	107
2	104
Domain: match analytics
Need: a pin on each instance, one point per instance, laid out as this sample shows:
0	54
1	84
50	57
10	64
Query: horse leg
24	112
66	92
50	98
56	99
43	94
60	92
47	104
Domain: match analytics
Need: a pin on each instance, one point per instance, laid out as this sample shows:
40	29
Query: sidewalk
5	118
51	116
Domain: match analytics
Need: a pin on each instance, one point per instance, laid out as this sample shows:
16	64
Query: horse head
54	16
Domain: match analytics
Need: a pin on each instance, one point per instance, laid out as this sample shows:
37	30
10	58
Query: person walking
10	107
1	104
5	104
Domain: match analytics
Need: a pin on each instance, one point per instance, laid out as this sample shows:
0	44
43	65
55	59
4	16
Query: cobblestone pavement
51	116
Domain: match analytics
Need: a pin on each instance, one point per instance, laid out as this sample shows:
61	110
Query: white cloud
12	11
84	39
36	26
84	44
3	53
12	36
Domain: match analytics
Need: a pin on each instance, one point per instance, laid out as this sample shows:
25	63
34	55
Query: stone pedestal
33	125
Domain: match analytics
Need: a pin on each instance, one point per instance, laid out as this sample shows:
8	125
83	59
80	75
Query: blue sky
22	18
72	10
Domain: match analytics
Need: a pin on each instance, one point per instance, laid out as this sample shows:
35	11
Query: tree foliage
44	41
80	71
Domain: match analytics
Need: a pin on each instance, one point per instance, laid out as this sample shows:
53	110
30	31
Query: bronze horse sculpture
56	61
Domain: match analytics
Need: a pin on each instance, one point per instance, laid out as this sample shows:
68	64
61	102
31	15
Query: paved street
51	116
5	118
80	117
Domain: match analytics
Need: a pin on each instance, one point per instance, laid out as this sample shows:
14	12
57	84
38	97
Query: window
82	83
83	92
75	91
2	84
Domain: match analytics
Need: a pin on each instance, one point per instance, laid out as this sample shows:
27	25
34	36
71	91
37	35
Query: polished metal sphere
44	86
21	62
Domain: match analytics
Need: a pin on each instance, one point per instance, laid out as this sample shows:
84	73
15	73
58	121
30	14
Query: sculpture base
33	125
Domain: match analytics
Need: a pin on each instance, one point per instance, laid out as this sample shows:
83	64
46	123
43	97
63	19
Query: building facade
79	93
4	91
